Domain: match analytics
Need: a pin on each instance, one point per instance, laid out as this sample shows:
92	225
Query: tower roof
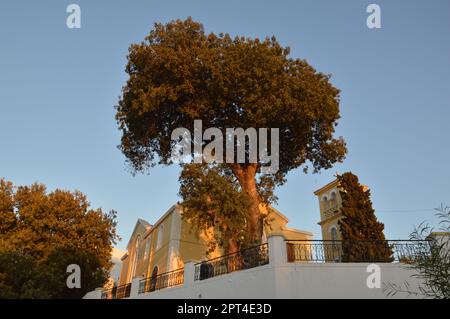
328	186
333	184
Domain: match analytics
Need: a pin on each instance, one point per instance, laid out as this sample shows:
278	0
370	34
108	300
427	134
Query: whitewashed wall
280	279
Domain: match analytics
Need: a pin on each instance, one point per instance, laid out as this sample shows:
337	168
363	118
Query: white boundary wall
280	279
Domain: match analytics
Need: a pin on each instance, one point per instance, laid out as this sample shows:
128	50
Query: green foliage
213	202
18	273
42	233
179	74
22	276
7	217
362	235
93	275
431	261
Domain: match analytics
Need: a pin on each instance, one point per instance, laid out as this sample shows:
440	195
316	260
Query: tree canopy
42	232
362	234
179	74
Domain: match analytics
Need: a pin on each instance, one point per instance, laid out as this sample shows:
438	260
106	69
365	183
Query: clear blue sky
58	88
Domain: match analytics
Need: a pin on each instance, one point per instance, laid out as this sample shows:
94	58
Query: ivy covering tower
362	234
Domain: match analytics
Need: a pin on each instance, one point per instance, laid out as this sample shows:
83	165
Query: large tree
179	74
47	231
362	234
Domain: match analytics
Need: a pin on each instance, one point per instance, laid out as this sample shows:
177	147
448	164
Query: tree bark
232	246
246	175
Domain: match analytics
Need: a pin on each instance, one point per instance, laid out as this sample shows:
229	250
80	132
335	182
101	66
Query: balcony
330	211
356	251
118	292
162	281
244	259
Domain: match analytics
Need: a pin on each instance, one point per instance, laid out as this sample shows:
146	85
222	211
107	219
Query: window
135	259
149	245
141	251
325	202
333	199
334	235
155	271
160	236
335	252
153	278
147	248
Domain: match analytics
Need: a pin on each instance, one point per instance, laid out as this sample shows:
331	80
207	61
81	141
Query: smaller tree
42	233
431	261
215	205
22	276
18	274
54	273
362	234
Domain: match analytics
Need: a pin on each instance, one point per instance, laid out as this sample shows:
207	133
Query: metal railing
117	292
161	281
245	259
356	251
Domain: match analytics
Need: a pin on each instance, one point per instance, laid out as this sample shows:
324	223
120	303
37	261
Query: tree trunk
246	175
232	246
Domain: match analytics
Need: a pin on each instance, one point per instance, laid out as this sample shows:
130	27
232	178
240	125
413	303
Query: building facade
329	206
170	242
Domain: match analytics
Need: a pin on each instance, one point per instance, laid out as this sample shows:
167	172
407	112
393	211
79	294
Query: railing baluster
117	292
357	251
162	281
245	259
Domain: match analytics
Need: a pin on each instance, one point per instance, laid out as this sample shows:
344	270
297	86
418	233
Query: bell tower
329	203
